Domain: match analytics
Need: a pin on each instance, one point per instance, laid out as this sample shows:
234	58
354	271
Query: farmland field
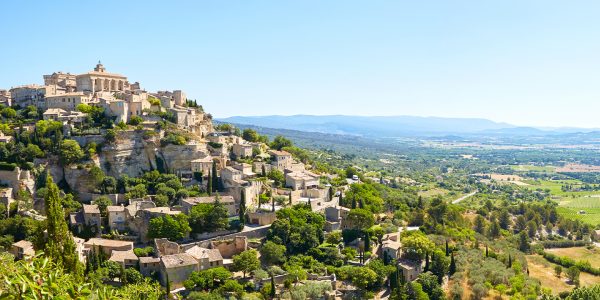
543	270
528	168
580	253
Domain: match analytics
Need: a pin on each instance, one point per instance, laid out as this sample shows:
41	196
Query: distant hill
374	126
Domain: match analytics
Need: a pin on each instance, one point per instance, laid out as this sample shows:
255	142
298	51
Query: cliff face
132	153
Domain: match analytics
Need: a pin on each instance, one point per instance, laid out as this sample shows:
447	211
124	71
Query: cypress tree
272	204
509	260
264	171
367	241
290	198
447	249
215	178
243	209
361	203
309	206
209	182
426	262
353	202
273	286
452	268
486	251
59	245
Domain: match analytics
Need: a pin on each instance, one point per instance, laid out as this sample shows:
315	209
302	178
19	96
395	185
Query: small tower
99	67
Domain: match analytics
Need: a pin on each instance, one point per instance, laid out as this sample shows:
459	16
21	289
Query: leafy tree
439	265
173	227
280	142
246	261
558	270
360	218
272	253
210	279
103	202
70	152
250	135
417	245
207	217
135	120
573	274
523	242
431	286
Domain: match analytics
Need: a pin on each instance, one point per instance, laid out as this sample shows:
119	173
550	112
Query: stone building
117	217
64	80
100	80
67	101
410	269
301	180
177	268
241	150
126	258
281	160
149	265
107	246
207	258
22	249
59	114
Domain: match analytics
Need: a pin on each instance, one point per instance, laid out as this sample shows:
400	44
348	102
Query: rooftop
108	243
121	256
91	209
23	244
178	260
115	208
149	260
200	253
209	199
279	153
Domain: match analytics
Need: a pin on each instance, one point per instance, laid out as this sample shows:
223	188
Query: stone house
177	268
99	80
5	138
127	258
301	180
22	249
67	101
6	198
207	258
241	150
392	249
202	165
281	160
59	114
91	215
335	217
410	269
117	217
107	246
149	265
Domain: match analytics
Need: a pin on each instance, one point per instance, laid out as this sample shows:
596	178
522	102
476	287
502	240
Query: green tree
523	242
173	227
439	265
280	142
59	243
250	135
272	253
246	261
70	152
573	274
242	210
417	245
360	218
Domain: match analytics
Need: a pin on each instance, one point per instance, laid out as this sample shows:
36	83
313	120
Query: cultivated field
578	168
532	168
543	270
580	253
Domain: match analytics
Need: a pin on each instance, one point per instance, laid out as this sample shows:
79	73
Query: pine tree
215	178
452	268
242	209
59	245
209	182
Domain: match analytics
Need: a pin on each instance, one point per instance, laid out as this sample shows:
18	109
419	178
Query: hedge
564	244
567	262
4	166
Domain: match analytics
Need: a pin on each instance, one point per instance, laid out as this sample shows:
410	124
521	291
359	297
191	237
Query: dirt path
464	197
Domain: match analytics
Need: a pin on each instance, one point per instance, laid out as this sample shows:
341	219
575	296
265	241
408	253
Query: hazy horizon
523	63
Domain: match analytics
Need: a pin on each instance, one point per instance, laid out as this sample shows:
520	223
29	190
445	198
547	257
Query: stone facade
100	80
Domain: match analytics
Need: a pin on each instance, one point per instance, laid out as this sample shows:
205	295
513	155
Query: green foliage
70	152
280	142
58	243
246	261
417	245
297	228
173	227
272	253
209	217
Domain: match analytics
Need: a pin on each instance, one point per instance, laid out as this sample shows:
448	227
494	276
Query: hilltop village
109	191
148	183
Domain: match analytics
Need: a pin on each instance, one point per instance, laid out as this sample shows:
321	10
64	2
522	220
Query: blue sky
522	62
